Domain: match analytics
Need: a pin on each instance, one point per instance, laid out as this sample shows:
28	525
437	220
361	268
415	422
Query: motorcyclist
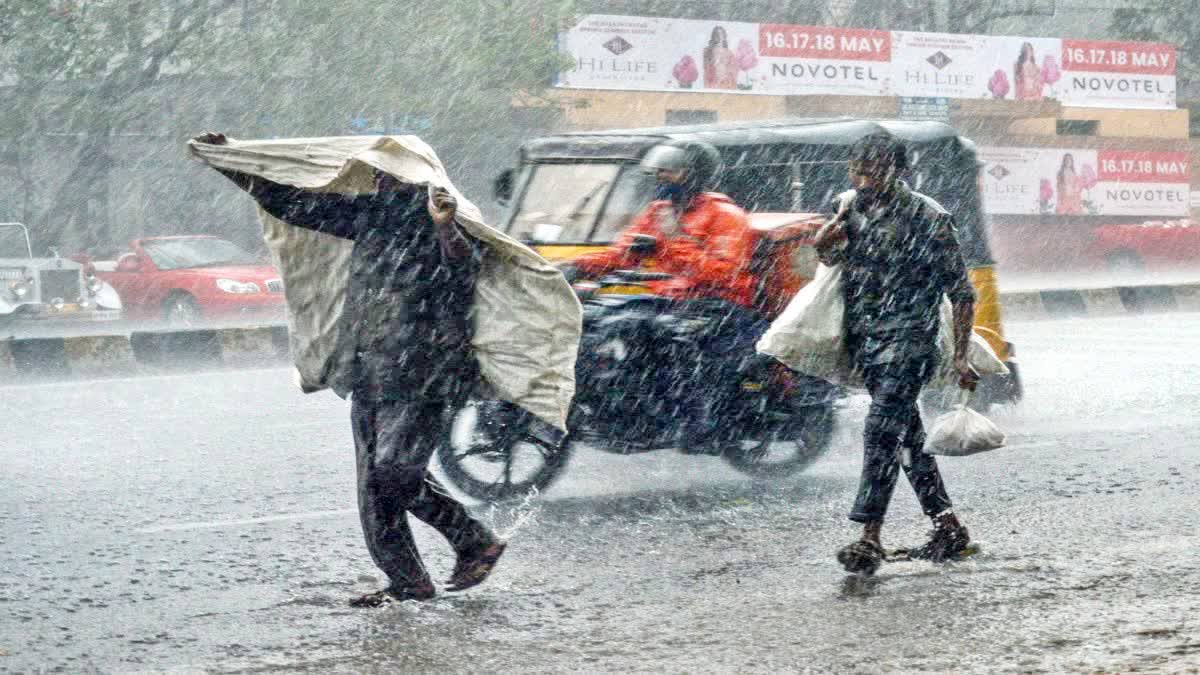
703	240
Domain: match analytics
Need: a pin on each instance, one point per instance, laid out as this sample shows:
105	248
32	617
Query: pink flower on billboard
1087	181
686	72
1051	73
1087	176
747	60
1046	196
998	85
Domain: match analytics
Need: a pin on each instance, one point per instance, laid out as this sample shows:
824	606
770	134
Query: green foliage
454	64
1170	21
77	76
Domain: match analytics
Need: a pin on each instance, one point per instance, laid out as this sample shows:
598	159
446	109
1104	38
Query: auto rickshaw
573	193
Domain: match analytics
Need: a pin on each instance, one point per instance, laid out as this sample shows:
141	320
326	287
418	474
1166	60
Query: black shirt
900	258
408	301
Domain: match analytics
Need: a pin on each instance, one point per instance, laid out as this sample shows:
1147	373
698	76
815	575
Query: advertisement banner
934	64
811	60
1140	183
623	52
1118	74
1046	181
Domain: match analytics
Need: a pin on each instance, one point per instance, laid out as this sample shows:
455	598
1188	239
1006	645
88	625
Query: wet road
205	523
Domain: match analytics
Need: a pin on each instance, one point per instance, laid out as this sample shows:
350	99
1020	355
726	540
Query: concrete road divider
98	354
1067	303
142	352
248	346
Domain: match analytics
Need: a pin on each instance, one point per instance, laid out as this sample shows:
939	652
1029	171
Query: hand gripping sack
808	336
963	432
980	354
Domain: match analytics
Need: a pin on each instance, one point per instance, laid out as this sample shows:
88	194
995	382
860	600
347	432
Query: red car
1150	246
191	280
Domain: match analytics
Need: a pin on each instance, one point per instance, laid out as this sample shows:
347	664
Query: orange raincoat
708	255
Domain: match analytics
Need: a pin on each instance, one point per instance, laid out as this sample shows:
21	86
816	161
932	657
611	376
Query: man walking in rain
411	279
900	253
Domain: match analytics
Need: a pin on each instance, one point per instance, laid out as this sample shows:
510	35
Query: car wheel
181	311
1124	262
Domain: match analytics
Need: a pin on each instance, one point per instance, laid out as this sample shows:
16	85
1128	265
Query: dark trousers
722	352
895	437
394	442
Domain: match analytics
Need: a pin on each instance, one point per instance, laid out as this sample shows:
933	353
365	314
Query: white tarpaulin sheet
527	319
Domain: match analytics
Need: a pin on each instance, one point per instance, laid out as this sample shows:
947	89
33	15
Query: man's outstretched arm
324	212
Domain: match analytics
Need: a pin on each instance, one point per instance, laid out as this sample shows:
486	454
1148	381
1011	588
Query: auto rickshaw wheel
493	460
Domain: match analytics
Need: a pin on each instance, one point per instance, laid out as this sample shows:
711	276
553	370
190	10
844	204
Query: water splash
508	519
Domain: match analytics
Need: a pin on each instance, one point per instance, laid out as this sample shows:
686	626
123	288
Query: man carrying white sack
900	253
406	338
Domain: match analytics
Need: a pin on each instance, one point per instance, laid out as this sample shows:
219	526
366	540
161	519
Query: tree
1169	21
803	12
447	70
97	88
81	73
952	16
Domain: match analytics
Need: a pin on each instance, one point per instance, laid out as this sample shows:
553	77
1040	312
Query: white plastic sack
808	335
962	432
980	354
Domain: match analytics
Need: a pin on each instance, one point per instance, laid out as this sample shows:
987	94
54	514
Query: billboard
1058	181
623	52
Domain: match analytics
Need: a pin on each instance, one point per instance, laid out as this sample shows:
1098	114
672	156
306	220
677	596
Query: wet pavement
206	523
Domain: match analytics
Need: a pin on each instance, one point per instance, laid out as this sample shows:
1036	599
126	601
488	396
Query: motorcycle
637	372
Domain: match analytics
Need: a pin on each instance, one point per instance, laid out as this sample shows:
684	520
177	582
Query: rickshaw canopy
768	163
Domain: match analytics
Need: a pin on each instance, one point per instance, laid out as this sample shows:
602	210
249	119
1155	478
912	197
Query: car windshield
174	254
13	243
562	201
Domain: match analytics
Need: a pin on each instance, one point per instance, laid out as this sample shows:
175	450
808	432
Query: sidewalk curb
143	352
1114	301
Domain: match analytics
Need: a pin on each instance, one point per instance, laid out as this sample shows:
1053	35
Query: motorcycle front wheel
488	455
783	445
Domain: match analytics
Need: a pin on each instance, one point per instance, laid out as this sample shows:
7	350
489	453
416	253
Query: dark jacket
900	259
408	294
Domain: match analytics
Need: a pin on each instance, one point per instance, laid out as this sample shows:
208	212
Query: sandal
945	543
861	557
474	567
389	595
